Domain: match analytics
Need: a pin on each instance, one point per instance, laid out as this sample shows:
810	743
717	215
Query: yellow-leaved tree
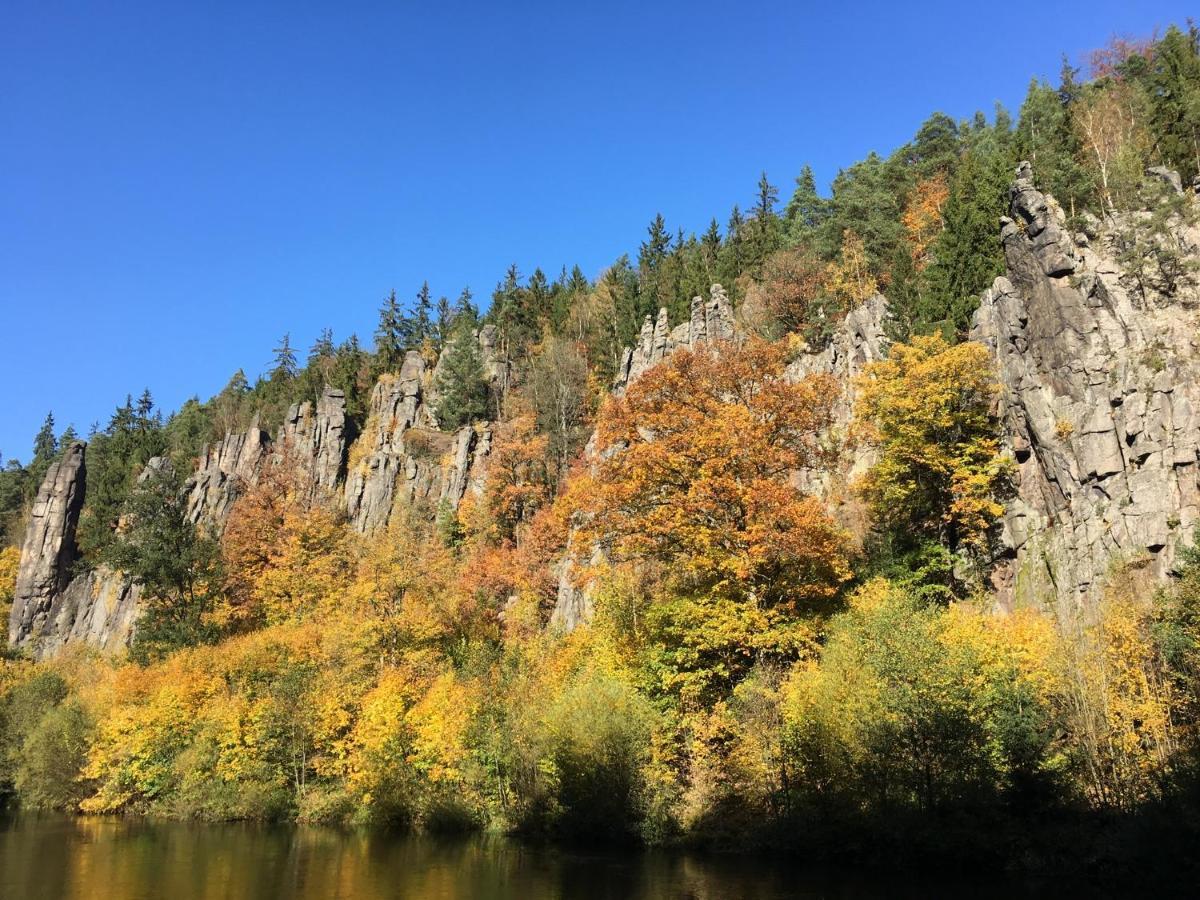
10	559
940	477
849	279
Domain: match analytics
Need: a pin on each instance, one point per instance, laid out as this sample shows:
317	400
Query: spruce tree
441	326
765	229
14	479
465	305
1173	83
967	253
45	445
176	566
1045	137
45	448
350	362
805	211
733	251
461	382
116	456
322	347
423	317
394	334
653	291
936	148
283	361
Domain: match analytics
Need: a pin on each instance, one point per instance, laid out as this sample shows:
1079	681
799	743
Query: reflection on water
104	859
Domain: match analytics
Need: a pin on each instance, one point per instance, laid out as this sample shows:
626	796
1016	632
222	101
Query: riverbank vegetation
763	668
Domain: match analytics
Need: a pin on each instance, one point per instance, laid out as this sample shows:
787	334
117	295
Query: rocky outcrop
53	605
464	465
709	323
860	340
384	467
310	444
98	608
49	550
313	443
402	458
224	471
1101	388
1096	348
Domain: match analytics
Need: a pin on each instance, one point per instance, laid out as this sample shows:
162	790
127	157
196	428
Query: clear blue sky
180	186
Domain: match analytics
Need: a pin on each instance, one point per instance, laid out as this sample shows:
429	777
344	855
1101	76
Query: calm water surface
106	859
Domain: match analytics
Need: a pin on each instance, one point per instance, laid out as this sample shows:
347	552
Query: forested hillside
858	524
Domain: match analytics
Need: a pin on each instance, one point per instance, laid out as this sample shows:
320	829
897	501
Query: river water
106	859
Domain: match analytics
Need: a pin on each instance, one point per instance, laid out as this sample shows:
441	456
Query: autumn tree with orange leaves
922	218
693	473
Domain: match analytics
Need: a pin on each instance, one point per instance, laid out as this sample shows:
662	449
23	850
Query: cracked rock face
313	440
49	550
311	443
402	458
53	606
1100	374
225	470
709	323
1101	384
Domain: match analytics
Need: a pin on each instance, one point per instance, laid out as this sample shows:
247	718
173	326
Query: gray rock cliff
48	552
1101	387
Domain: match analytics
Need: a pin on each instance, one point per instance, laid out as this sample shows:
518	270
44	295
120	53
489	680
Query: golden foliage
10	560
922	217
849	279
927	408
1122	700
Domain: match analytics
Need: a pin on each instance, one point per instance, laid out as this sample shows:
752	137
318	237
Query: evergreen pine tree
936	148
283	361
765	231
1044	136
45	448
967	254
116	456
653	291
443	318
175	565
732	257
423	317
465	306
868	199
394	334
1173	83
461	382
322	347
805	210
45	445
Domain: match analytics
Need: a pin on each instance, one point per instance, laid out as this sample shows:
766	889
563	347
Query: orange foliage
518	482
694	471
254	528
922	217
1104	62
792	282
